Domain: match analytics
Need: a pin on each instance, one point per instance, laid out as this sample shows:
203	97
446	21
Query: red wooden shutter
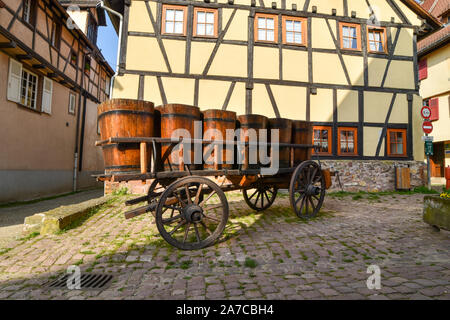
423	69
434	106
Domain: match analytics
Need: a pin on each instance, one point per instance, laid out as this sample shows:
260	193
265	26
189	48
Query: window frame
75	103
304	31
384	39
37	93
388	139
266	15
29	16
330	140
355	141
73	53
216	22
358	35
163	22
55	37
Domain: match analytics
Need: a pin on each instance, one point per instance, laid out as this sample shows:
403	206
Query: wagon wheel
186	221
261	197
307	189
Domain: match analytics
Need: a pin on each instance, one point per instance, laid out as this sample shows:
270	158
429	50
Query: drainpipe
101	4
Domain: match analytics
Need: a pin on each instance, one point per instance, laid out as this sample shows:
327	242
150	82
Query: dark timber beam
21	57
8	45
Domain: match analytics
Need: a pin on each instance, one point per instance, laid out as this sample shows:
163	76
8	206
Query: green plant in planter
436	211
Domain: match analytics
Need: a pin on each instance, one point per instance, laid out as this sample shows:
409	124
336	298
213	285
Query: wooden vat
246	122
124	118
284	127
215	125
302	133
173	117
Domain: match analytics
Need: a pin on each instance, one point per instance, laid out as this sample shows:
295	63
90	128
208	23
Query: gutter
101	4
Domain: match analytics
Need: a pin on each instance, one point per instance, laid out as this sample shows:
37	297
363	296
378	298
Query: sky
107	42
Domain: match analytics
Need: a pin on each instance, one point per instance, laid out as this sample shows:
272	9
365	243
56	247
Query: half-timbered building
349	66
52	77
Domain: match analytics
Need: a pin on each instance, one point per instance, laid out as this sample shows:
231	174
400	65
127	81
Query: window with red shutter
423	69
434	106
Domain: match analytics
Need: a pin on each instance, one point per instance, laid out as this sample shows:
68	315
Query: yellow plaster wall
400	75
212	94
179	90
126	87
438	78
376	106
151	90
236	31
327	69
355	69
371	137
138	55
376	71
237	100
412	16
383	11
200	53
299	3
399	113
175	50
266	63
325	6
361	8
139	17
291	101
261	103
405	43
322	105
230	60
418	145
347	105
441	128
321	37
295	65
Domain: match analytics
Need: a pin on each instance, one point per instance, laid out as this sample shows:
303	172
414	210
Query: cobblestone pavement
326	258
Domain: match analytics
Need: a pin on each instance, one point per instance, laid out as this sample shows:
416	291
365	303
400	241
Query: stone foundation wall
373	175
355	175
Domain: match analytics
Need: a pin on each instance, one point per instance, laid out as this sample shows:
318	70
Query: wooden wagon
191	209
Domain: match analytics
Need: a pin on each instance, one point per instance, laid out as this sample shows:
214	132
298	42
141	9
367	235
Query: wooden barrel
173	117
302	133
246	122
284	127
124	118
215	125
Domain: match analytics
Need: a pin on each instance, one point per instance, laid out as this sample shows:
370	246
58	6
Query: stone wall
355	175
373	175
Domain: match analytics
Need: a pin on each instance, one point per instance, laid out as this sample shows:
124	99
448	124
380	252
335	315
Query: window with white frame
28	89
174	19
72	103
266	27
27	10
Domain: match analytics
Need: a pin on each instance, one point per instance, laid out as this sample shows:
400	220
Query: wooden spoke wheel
307	189
261	197
192	213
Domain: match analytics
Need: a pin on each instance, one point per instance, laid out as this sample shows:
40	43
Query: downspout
101	4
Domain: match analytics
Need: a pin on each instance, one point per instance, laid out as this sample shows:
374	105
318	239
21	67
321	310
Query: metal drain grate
88	281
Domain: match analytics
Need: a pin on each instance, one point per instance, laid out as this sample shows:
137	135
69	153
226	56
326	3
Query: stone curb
57	219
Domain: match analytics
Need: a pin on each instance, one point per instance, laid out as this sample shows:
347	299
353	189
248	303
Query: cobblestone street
269	255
